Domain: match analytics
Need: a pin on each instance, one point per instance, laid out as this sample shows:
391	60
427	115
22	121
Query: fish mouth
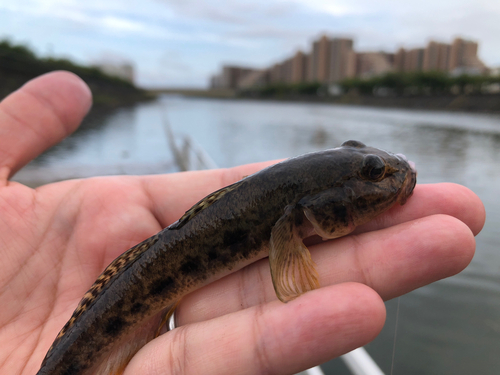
409	182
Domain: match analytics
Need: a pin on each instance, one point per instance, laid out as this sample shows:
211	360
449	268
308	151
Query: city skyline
332	59
181	43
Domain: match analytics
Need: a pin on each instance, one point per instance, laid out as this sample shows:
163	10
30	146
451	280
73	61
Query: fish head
379	179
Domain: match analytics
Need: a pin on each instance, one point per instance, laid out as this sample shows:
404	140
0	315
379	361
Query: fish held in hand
328	193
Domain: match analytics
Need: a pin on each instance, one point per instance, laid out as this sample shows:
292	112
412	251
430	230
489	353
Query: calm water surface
449	327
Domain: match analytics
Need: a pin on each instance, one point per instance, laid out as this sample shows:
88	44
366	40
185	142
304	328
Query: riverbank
476	103
18	65
465	103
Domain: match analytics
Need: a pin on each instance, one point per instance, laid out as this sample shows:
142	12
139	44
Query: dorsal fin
113	270
203	204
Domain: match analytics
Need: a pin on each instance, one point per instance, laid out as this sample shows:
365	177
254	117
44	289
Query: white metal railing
189	156
360	363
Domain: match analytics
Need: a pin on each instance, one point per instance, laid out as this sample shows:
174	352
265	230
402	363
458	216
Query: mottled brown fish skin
221	234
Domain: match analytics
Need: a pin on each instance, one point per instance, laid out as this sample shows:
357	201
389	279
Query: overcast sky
180	43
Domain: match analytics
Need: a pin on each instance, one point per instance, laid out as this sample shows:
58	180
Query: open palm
56	240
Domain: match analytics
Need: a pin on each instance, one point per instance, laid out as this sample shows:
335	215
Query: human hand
55	240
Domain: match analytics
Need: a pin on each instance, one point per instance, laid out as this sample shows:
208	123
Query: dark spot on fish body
235	236
212	255
224	259
114	325
240	249
119	304
73	369
161	286
217	257
266	233
191	266
136	308
234	250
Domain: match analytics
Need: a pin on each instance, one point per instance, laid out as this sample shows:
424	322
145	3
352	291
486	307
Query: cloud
335	8
121	24
201	34
237	12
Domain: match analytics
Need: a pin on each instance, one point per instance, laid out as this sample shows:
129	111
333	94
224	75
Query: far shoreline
471	103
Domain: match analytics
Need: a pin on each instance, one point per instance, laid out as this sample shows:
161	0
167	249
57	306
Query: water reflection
93	125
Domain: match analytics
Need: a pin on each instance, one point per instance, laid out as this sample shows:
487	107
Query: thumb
39	115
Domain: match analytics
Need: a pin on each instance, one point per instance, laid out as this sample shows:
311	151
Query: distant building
332	60
257	78
372	64
406	61
414	60
436	57
286	71
399	60
275	73
320	64
309	68
216	81
230	77
458	58
463	58
342	60
299	68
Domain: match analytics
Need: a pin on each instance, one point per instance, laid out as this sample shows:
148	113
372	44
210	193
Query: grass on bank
390	84
19	64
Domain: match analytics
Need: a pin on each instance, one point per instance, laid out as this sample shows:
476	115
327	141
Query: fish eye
373	168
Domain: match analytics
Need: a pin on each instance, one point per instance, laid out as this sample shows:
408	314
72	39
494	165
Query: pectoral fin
292	269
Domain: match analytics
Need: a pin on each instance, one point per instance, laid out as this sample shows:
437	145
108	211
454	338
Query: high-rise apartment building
463	52
399	60
320	64
436	57
257	78
286	71
406	61
341	60
299	67
463	57
414	60
275	73
230	77
309	68
371	64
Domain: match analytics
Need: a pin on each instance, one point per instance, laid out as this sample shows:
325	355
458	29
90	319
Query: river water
449	327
